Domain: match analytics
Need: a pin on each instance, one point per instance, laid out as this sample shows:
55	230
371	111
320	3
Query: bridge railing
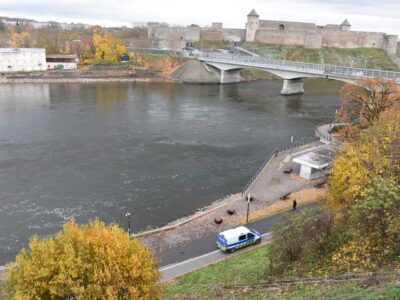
320	69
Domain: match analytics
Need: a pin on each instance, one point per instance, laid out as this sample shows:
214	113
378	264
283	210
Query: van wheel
232	250
258	241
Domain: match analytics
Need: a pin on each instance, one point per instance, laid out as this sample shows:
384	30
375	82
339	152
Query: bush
302	236
93	261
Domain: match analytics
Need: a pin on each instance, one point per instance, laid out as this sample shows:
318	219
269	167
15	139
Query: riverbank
277	194
94	73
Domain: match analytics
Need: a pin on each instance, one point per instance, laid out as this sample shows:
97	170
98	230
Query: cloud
365	15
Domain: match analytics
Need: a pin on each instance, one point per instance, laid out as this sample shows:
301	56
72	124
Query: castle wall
390	44
352	39
277	25
289	37
217	34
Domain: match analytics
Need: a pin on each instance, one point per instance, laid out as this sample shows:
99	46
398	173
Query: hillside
370	58
235	278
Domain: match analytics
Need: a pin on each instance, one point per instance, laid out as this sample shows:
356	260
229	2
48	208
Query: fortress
308	35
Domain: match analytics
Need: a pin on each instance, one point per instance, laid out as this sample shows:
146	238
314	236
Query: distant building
22	59
61	61
314	165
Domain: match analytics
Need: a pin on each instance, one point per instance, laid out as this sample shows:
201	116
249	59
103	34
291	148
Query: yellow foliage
92	261
108	48
375	153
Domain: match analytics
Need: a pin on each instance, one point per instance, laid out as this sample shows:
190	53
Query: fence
274	153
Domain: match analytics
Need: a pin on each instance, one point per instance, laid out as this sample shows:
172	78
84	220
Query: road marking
186	261
198	257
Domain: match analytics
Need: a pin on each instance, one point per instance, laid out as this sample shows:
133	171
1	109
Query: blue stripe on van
241	242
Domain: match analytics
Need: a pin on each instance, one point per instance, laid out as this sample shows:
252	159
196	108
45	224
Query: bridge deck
320	70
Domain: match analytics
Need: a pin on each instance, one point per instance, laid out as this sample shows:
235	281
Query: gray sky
364	15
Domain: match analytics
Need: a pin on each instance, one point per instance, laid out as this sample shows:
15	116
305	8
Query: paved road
180	260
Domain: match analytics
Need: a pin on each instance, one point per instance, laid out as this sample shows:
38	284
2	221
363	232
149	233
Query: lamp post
248	208
291	141
128	214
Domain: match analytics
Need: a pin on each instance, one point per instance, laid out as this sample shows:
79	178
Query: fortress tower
345	26
253	20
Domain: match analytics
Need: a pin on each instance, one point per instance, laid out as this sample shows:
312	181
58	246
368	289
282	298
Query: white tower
252	25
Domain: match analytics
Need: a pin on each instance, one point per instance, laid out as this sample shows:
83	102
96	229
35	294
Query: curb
183	221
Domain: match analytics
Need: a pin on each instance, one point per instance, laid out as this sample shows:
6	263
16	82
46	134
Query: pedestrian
294	204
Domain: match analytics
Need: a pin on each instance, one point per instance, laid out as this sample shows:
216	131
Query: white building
22	59
314	165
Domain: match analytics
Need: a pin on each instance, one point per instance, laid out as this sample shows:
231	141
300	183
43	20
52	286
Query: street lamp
248	208
128	214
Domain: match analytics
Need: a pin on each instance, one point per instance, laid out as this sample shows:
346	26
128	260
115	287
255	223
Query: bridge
227	66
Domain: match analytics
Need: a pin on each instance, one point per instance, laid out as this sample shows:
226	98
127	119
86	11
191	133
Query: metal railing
274	153
297	66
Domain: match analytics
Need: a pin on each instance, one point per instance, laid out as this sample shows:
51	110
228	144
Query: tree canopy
91	261
367	99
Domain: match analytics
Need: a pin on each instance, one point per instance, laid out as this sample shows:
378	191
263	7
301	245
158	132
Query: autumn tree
53	38
378	211
108	48
20	35
92	261
367	99
375	153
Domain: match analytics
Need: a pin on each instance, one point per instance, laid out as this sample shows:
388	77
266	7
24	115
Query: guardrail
274	153
320	69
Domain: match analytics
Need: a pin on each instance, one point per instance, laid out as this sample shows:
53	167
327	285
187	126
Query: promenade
193	237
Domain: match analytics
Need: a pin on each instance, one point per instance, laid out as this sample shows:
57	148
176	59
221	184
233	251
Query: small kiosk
314	165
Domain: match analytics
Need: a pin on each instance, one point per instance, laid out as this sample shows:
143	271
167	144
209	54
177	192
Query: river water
157	150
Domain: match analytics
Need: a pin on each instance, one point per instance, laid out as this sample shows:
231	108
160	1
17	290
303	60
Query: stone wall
285	25
218	34
390	44
352	39
289	37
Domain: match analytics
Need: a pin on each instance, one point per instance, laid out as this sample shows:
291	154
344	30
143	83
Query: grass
370	58
214	282
245	267
342	291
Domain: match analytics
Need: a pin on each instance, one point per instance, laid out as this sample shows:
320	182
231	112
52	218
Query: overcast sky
364	15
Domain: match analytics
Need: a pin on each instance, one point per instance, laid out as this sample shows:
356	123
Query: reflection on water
158	150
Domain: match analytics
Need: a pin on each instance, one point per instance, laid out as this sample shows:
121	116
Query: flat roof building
314	165
22	59
61	61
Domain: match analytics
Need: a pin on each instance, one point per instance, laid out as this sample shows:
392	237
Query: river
157	150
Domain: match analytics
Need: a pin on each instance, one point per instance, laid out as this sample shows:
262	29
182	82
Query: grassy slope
248	267
359	57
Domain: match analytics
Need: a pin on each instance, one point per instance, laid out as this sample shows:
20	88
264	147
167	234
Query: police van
239	237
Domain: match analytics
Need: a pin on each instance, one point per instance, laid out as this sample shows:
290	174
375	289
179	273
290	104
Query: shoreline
6	79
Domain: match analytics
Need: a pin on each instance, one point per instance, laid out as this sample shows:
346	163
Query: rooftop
253	13
318	160
346	23
60	55
22	50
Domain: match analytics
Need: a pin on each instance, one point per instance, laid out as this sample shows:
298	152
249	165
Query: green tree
378	211
92	261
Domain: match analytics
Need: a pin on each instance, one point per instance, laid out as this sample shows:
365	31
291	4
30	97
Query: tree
92	261
374	153
378	211
108	48
301	235
367	99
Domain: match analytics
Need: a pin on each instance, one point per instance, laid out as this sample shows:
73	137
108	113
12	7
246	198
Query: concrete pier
292	86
